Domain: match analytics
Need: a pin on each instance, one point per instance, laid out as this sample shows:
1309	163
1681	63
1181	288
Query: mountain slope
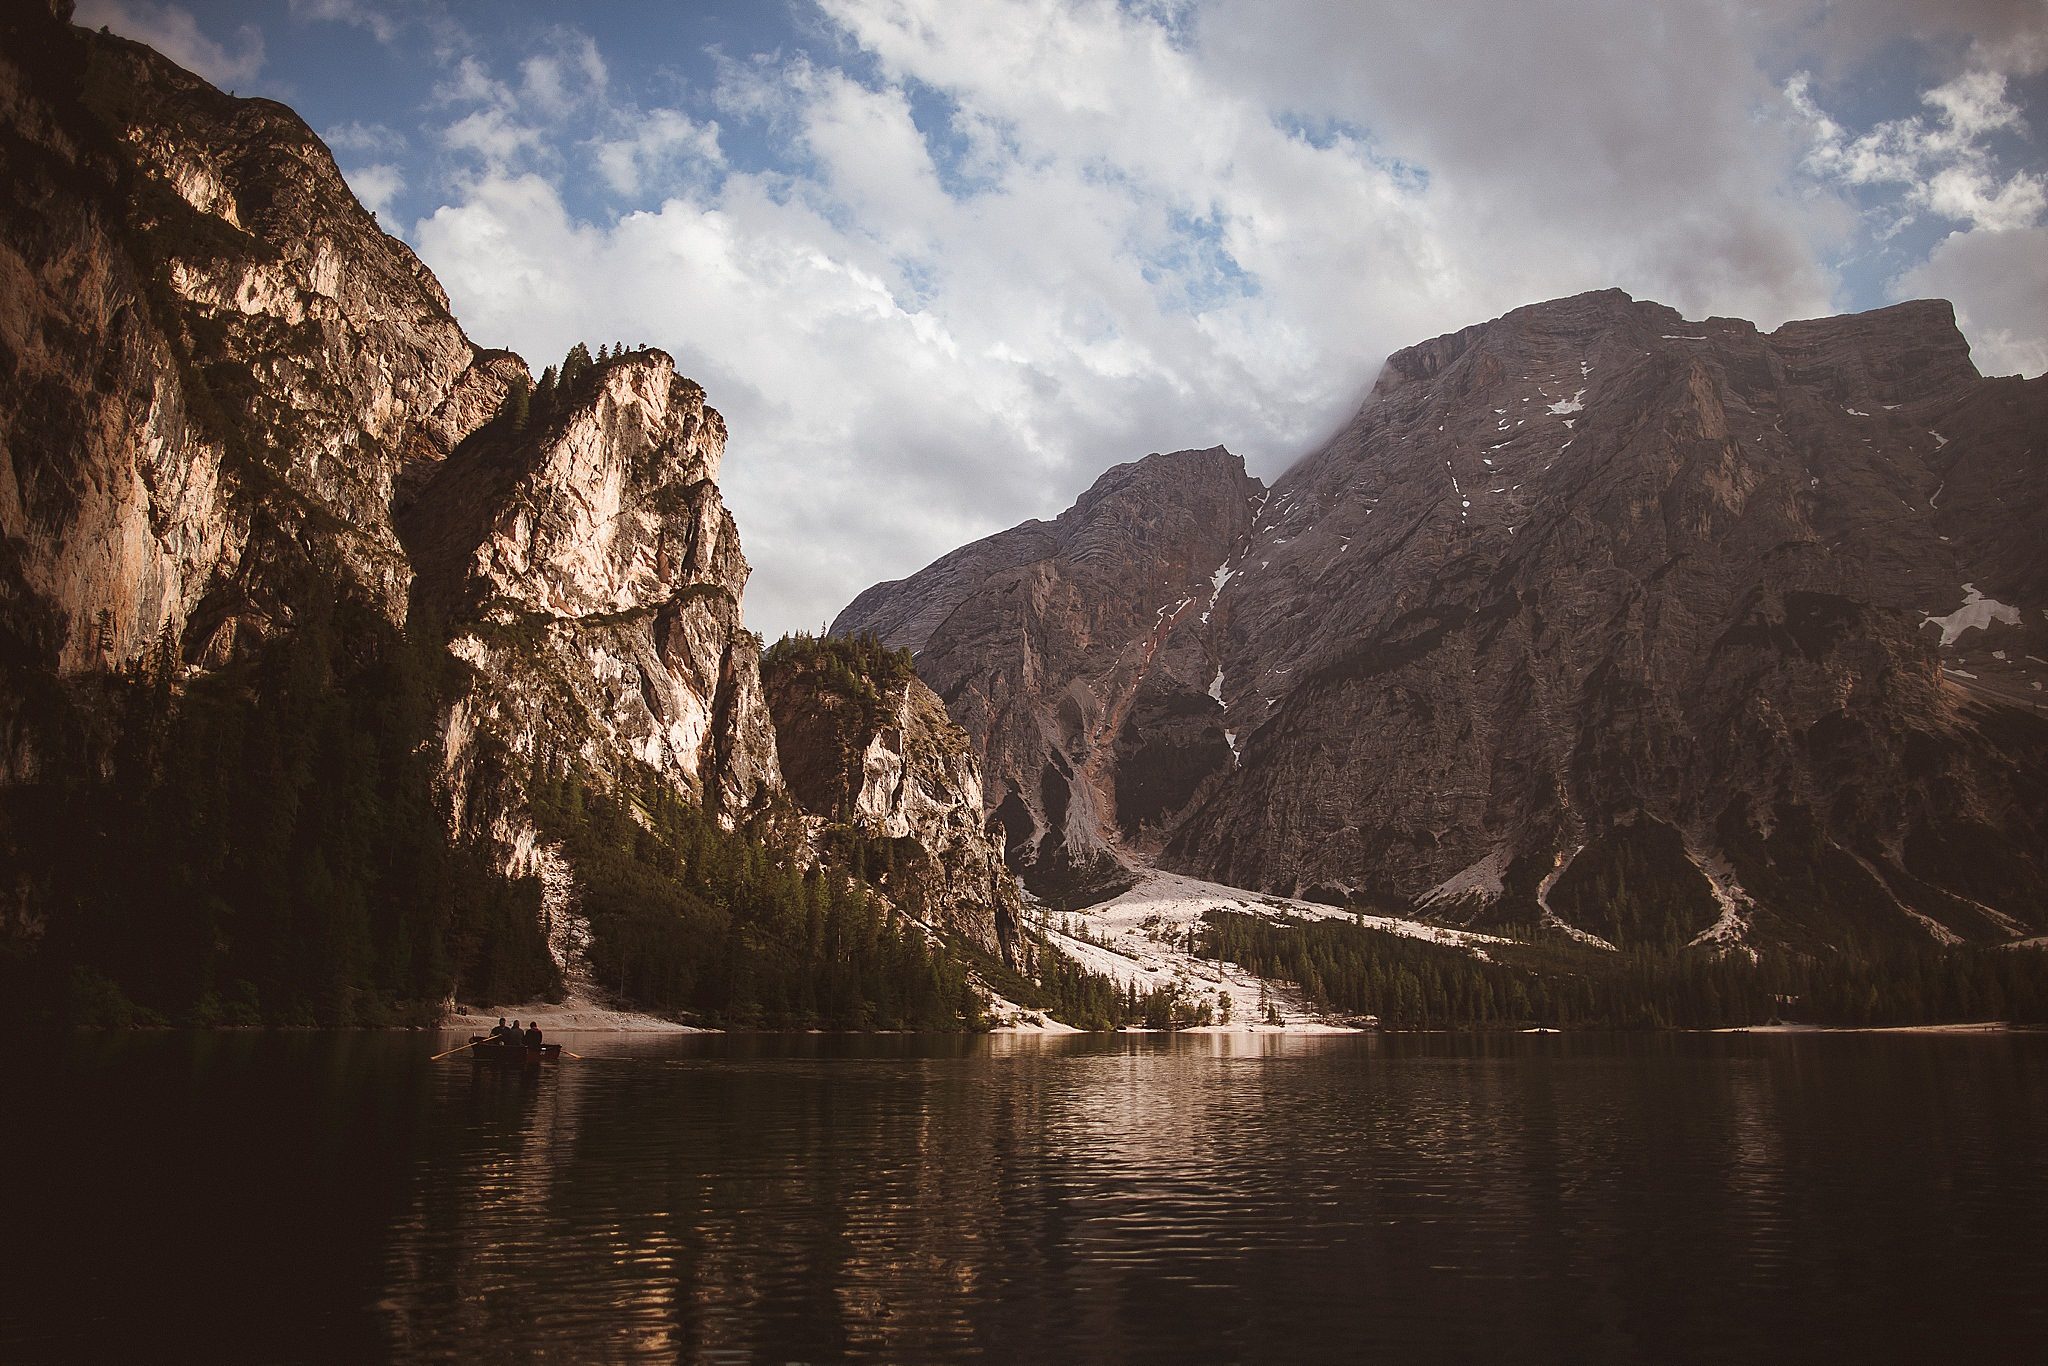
872	758
342	668
1059	647
1605	618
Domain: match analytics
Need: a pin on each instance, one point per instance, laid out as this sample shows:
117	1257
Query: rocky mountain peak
582	549
1585	585
601	501
1095	597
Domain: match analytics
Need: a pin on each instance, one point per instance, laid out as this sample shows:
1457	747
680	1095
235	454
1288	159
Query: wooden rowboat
497	1052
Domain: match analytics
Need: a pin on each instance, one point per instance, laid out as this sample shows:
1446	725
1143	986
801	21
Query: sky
942	262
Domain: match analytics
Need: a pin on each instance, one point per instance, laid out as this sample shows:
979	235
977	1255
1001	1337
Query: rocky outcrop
1633	625
591	576
226	394
866	747
1060	648
214	368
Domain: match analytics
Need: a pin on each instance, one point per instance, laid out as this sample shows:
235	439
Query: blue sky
941	263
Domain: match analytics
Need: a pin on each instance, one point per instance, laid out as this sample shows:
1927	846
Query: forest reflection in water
1131	1198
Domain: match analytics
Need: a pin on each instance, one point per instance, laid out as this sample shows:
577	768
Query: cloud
471	82
557	82
1839	38
376	185
495	136
513	125
372	138
172	30
378	24
1945	164
1998	282
944	266
1566	145
655	143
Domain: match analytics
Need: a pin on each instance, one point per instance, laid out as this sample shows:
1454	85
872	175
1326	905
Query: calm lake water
1402	1198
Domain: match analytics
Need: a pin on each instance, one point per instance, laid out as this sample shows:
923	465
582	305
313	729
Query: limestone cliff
867	748
590	574
214	367
229	400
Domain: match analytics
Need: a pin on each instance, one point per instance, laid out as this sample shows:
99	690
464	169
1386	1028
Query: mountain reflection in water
1239	1197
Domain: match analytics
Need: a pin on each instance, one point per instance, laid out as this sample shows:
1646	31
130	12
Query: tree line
558	386
263	844
858	667
1413	984
727	926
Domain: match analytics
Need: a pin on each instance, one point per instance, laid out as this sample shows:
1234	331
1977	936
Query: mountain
872	758
1075	653
1650	630
343	668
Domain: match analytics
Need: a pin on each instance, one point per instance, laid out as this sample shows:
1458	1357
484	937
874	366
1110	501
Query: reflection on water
1402	1198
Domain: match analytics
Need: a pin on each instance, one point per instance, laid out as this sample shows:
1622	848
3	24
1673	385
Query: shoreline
566	1017
594	1020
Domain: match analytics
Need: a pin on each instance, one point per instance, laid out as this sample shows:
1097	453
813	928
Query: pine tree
518	403
575	366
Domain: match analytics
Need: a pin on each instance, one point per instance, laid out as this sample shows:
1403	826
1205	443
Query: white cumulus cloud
998	247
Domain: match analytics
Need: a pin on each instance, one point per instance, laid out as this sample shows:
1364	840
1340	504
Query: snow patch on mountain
1480	880
1142	938
1976	613
1551	919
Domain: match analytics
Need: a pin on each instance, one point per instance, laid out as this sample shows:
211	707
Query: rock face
224	391
214	368
592	577
1075	655
1651	629
872	750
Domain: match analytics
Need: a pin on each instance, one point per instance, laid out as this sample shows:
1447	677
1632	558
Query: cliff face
214	368
871	750
228	397
1657	629
591	576
1063	649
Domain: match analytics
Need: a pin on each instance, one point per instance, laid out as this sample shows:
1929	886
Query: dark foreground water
1358	1199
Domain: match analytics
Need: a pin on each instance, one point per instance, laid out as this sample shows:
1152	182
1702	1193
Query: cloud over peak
941	264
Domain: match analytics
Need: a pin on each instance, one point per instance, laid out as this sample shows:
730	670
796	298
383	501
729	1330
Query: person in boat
533	1035
502	1033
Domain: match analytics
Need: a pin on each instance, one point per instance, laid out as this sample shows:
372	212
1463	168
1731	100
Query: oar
457	1049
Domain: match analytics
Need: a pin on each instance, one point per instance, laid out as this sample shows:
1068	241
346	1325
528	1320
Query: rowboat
501	1053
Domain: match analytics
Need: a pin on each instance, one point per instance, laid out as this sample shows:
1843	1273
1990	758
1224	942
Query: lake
1557	1198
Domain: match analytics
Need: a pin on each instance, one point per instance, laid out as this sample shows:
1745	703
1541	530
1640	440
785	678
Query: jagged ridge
1596	612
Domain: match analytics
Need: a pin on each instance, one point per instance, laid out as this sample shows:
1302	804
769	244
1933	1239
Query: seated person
501	1032
533	1035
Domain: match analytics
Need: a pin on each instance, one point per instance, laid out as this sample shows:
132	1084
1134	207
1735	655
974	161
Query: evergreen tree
575	366
518	403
